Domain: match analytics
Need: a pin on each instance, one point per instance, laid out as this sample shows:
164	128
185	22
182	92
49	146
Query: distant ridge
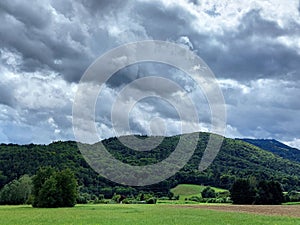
276	147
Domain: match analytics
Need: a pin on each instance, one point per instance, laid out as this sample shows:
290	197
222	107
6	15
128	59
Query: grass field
292	203
133	214
189	190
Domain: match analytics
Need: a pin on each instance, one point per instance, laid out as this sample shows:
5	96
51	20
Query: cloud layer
252	47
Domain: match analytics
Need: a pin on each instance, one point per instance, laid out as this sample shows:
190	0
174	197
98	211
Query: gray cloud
252	47
6	95
252	50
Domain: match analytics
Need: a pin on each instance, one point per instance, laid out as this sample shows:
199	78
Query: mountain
277	148
236	159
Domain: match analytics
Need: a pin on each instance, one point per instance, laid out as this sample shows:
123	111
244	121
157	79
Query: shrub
83	198
208	192
195	199
128	201
116	198
293	196
151	201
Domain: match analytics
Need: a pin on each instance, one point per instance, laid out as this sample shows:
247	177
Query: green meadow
188	190
133	214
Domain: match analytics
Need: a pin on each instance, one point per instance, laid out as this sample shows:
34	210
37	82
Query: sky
252	47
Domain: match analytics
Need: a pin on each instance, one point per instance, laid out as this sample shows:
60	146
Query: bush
208	192
211	200
223	194
116	198
293	196
128	201
195	199
164	198
151	201
176	197
83	198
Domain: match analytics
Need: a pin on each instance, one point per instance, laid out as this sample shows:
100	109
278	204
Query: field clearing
189	190
136	214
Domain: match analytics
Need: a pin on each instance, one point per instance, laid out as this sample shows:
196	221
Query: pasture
188	190
141	214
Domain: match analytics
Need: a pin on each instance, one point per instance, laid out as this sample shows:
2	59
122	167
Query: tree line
48	188
51	188
235	160
247	191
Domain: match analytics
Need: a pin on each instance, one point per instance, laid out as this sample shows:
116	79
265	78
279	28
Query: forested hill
277	148
236	159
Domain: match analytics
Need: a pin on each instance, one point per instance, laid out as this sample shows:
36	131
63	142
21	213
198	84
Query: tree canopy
53	188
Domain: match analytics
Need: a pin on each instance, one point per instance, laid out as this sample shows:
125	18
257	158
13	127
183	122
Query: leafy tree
49	195
226	181
25	188
16	192
242	192
208	192
2	179
54	188
269	193
38	182
68	188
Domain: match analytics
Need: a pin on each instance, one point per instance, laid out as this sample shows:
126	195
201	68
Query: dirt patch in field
275	210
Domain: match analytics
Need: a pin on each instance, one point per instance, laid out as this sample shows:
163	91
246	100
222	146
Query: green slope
188	190
236	159
192	189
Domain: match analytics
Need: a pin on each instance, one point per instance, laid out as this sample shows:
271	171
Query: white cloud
293	143
39	109
184	40
290	41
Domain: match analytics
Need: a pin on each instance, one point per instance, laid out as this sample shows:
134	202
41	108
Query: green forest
237	159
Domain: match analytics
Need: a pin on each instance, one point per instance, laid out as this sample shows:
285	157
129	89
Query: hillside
235	159
277	148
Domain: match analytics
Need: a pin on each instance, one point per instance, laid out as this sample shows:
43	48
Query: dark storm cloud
254	50
26	13
67	48
144	69
258	60
42	42
249	52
